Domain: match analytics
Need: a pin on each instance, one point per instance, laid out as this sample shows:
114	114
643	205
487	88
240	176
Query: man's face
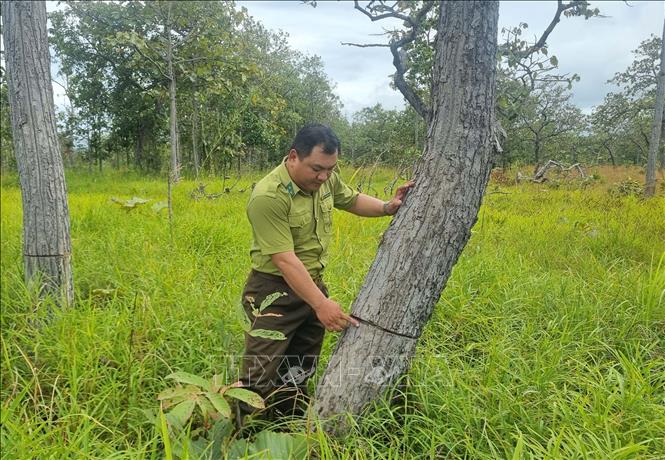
313	170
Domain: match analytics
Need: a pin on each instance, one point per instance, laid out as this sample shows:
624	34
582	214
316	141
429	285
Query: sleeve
343	195
269	217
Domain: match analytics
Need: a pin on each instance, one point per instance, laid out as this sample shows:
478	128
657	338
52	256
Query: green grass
548	341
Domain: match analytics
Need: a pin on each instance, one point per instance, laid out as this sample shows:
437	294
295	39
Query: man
290	211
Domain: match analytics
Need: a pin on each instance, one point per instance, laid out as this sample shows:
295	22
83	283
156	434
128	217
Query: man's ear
292	155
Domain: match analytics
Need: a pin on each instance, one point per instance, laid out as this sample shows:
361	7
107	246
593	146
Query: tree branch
414	22
561	7
155	63
366	45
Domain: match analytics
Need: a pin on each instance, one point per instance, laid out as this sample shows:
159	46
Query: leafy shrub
627	187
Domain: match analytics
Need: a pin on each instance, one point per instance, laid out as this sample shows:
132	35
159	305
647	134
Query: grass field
548	341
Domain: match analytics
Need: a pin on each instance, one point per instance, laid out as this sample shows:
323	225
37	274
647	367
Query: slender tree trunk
195	127
46	240
656	127
610	154
173	114
426	237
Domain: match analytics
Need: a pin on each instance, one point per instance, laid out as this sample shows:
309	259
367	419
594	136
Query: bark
426	237
610	154
195	141
46	240
656	127
140	140
173	113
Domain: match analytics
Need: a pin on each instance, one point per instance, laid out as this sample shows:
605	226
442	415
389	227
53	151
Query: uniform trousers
278	370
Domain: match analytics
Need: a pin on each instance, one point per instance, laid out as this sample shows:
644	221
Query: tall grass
548	341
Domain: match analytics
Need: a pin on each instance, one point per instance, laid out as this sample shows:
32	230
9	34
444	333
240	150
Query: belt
318	279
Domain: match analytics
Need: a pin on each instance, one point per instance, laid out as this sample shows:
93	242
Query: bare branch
377	17
561	7
383	11
367	45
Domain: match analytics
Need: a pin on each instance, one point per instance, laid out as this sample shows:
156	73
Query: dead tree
541	172
46	239
428	234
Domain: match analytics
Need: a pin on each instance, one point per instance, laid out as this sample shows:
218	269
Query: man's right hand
332	317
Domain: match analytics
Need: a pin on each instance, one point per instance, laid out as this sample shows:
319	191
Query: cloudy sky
594	49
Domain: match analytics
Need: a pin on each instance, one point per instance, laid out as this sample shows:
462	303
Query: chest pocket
301	226
326	215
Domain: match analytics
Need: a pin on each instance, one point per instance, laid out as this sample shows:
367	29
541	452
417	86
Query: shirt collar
286	180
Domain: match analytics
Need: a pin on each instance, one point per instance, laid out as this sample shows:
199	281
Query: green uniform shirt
285	218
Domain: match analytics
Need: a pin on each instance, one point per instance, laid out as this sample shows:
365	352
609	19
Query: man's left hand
393	205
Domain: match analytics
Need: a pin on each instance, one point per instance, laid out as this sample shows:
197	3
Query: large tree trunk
46	241
428	234
654	143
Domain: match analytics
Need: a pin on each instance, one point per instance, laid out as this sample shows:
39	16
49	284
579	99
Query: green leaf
221	430
159	206
269	444
554	61
207	409
246	396
168	454
270	299
177	392
219	404
179	415
267	334
184	377
245	323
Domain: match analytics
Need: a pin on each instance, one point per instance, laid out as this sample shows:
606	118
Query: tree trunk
656	127
536	152
46	240
430	231
173	114
195	127
610	154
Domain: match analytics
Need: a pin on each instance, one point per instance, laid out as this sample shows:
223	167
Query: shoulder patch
290	189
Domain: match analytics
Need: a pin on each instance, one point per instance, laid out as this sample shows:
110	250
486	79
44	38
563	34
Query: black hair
315	134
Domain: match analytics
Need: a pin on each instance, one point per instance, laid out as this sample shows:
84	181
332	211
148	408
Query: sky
595	49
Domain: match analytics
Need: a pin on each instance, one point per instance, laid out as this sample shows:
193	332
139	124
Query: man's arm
368	206
297	277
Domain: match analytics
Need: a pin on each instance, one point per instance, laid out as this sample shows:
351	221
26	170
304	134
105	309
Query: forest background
241	93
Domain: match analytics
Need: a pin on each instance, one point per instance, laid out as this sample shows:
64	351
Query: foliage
248	326
241	90
7	158
627	187
390	136
549	330
622	123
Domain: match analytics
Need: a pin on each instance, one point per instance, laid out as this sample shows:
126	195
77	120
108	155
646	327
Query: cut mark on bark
370	323
66	254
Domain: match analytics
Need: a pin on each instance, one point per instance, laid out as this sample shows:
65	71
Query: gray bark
46	240
426	237
656	127
195	140
173	114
